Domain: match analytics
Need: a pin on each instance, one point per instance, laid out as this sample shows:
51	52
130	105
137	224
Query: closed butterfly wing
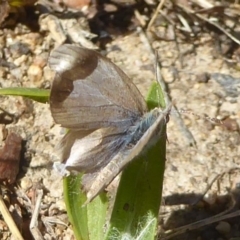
90	92
96	182
90	152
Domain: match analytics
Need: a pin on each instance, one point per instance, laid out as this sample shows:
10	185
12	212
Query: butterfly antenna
210	119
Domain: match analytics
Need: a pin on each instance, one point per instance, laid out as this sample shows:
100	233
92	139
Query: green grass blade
36	94
87	221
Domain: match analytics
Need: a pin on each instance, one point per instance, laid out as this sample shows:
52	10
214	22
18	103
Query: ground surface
189	169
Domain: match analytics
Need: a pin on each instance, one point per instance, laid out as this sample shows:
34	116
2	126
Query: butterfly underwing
107	118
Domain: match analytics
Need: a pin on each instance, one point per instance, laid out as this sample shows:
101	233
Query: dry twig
177	117
217	218
200	16
9	220
160	5
34	221
199	224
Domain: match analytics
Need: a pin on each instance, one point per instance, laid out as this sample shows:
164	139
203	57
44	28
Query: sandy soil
189	169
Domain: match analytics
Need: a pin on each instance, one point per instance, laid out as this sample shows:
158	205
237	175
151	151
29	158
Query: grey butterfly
107	117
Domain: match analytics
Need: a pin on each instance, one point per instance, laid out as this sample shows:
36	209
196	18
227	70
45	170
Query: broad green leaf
87	221
136	208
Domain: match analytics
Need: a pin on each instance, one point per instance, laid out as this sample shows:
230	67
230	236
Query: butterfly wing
93	151
95	183
90	92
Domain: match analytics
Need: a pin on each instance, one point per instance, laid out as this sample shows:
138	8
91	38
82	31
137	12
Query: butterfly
107	117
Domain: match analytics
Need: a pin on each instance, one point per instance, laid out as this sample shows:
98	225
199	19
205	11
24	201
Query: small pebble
210	198
203	77
26	183
230	124
35	73
19	61
18	49
223	227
